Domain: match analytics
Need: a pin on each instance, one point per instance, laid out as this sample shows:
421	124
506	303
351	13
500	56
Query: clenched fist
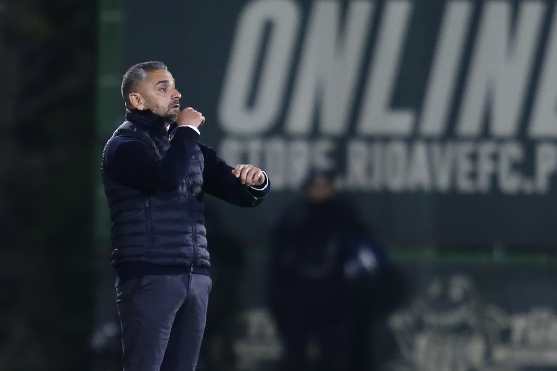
189	116
249	175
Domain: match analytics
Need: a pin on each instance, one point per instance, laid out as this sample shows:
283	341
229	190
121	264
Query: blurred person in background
155	173
327	281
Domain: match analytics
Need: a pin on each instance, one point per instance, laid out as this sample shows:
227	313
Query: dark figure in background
155	174
324	279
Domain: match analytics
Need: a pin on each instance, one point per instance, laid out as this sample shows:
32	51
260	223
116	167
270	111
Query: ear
137	102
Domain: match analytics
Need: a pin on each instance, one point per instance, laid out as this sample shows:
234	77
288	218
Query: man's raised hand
249	175
189	116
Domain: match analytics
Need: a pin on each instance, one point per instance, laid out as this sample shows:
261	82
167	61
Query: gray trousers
163	320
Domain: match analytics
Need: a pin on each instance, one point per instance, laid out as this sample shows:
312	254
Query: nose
177	94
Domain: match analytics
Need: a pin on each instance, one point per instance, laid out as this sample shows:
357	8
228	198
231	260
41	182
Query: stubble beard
172	113
167	113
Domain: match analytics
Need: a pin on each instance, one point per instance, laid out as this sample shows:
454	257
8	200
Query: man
325	261
155	174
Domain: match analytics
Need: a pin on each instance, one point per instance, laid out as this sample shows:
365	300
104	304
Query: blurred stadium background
439	118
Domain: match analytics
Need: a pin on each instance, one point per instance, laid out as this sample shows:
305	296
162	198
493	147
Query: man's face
157	93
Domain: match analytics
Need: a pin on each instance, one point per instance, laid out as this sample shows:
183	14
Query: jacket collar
149	121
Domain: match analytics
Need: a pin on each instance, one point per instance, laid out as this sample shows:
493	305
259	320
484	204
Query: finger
244	174
260	178
237	170
251	177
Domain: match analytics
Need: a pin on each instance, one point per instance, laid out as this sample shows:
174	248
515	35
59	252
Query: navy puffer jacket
157	215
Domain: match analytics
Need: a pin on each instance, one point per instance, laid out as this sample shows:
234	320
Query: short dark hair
137	73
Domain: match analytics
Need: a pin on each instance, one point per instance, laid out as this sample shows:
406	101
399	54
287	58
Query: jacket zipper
149	222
